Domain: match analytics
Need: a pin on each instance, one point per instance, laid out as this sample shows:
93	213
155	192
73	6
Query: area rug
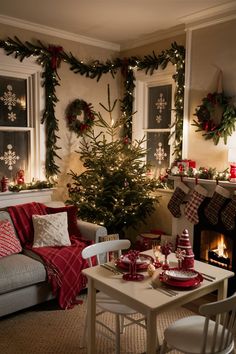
47	330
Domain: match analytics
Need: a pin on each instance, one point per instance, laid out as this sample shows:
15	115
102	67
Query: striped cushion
9	243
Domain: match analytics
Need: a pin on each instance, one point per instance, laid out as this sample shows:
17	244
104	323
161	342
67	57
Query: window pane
158	152
13	110
14	153
159	107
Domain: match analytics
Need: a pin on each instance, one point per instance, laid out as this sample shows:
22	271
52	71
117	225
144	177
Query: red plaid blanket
63	264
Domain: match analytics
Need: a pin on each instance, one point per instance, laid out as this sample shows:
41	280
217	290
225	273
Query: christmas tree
114	190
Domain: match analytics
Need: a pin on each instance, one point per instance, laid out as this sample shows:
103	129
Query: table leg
222	289
91	313
152	340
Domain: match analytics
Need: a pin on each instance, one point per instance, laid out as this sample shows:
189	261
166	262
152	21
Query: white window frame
140	119
28	69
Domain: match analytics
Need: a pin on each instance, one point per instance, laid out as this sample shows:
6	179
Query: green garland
50	57
207	114
74	112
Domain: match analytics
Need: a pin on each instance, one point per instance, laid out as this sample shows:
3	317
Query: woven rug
47	330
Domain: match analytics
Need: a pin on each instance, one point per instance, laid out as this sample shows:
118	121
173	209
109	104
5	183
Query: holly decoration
209	121
80	116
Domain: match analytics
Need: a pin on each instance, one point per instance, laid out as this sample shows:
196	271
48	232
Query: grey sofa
23	278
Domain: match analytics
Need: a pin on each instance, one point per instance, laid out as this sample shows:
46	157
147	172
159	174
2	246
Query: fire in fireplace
216	250
215	244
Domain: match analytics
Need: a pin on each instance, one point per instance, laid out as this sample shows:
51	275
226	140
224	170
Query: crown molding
57	33
154	37
218	14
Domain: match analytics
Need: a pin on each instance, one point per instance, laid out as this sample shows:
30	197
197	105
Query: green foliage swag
114	189
49	57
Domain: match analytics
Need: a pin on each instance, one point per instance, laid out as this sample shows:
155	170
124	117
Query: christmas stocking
191	209
212	210
229	213
177	198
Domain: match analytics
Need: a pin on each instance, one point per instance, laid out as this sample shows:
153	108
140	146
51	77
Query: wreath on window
216	117
80	116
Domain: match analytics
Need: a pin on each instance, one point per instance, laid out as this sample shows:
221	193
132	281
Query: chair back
104	247
223	312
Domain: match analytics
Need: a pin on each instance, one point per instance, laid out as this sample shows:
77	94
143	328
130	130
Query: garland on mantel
210	173
50	57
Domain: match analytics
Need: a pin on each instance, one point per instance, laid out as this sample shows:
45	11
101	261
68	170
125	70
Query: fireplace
215	244
204	234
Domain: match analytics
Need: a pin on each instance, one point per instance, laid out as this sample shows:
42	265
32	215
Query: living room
208	38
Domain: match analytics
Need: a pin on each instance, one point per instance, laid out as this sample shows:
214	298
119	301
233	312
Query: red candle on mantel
4	184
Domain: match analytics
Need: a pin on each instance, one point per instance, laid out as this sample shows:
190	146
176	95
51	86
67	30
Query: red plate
139	267
190	283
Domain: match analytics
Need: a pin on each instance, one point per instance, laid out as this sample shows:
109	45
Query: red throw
63	264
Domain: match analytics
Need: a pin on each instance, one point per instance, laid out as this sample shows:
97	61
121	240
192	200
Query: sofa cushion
9	243
71	210
51	230
18	271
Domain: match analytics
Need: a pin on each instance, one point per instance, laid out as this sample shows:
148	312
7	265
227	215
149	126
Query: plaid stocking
177	198
229	213
212	210
191	208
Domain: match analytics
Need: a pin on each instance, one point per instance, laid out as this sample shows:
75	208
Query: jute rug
47	330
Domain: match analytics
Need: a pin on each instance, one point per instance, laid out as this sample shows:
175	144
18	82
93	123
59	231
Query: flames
221	249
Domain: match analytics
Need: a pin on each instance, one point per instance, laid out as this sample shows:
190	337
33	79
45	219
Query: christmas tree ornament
185	245
191	209
218	199
228	215
177	199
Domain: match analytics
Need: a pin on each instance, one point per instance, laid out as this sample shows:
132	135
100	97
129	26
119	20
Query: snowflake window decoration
158	119
161	103
9	157
11	116
160	153
9	98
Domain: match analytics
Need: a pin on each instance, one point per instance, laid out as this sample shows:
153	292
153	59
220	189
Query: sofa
23	277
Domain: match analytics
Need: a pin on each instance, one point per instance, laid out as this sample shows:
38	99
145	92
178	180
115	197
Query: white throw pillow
51	230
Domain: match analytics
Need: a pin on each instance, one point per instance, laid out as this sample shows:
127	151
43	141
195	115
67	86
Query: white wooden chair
202	334
123	314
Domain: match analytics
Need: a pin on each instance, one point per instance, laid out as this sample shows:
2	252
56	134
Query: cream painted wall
213	48
72	86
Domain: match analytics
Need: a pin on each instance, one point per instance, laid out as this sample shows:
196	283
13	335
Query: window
21	134
154	103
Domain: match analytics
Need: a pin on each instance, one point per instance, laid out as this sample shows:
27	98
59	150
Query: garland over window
216	117
50	57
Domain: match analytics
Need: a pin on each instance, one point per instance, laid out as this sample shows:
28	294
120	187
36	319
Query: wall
213	48
72	86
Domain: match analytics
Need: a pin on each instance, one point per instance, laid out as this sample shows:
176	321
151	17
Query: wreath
80	116
216	117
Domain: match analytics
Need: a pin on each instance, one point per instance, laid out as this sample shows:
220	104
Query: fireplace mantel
206	183
26	196
179	224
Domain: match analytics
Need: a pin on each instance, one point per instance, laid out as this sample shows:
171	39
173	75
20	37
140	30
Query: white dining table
147	300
